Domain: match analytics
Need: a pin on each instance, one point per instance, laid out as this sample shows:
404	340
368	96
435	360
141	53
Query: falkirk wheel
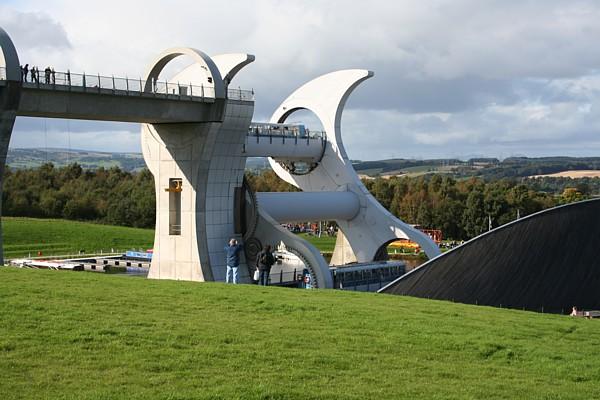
195	140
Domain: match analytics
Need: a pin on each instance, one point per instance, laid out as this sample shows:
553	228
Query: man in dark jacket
264	261
232	251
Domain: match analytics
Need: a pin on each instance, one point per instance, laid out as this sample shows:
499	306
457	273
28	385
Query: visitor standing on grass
264	262
232	251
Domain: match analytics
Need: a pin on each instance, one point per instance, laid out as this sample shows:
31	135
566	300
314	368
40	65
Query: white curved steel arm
230	64
9	57
198	56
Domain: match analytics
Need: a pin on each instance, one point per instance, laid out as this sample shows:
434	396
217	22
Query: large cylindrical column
309	206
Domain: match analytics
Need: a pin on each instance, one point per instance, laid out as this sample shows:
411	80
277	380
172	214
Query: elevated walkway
95	97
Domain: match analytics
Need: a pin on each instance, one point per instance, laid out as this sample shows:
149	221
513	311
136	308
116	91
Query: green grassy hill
27	236
67	335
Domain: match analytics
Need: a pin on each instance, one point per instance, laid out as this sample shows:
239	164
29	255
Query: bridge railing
58	80
283	131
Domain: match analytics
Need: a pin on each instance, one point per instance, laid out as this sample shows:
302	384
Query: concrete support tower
197	168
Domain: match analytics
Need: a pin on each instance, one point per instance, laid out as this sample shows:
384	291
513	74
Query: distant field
28	236
408	171
572	174
69	335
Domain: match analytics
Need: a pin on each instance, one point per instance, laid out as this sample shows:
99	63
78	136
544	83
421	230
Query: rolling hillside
67	335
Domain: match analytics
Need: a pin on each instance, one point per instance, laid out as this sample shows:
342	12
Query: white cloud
452	78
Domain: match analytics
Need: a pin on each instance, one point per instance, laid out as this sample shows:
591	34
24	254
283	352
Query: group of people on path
264	261
33	74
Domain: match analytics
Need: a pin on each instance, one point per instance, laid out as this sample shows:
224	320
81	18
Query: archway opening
185	72
405	250
306	127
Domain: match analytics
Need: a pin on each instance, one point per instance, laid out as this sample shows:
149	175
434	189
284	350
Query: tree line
110	196
461	208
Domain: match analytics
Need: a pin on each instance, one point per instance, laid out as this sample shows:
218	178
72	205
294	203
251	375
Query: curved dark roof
548	261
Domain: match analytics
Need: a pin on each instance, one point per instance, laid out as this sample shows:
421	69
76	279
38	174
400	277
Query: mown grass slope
67	335
27	236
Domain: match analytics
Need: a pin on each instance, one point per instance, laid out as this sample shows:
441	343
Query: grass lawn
68	335
25	236
323	243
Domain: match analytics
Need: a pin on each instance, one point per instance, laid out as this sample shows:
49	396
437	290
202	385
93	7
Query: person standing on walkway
232	251
35	75
47	76
25	72
264	262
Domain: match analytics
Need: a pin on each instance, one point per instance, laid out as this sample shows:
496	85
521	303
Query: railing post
113	82
191	90
202	87
179	89
84	86
167	88
99	84
127	84
281	276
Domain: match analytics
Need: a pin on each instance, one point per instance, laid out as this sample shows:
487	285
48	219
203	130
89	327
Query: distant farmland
584	173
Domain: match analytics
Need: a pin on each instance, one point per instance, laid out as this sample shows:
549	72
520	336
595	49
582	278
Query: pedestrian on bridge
25	72
35	75
232	251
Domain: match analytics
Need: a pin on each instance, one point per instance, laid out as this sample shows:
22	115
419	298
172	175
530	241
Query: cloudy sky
452	78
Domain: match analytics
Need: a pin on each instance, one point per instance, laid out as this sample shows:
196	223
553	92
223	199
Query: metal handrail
58	80
283	131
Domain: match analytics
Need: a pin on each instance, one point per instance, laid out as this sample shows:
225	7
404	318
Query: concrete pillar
10	95
194	219
196	169
7	121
